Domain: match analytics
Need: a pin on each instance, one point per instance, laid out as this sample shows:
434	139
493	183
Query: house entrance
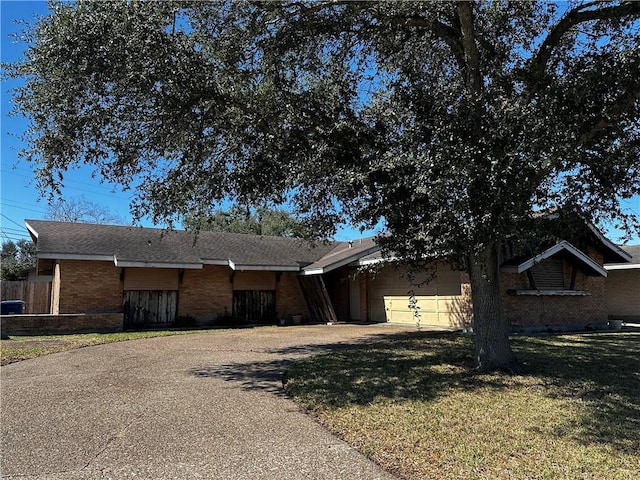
254	306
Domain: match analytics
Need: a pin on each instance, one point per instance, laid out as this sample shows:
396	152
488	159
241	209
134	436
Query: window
547	275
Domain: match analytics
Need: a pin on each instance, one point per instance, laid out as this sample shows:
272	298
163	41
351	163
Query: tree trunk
493	348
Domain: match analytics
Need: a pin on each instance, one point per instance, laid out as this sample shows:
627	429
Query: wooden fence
36	295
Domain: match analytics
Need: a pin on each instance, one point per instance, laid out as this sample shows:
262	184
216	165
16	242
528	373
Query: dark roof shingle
156	246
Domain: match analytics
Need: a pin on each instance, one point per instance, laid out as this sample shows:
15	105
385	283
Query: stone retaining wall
61	324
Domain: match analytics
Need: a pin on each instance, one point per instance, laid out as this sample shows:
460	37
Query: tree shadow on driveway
600	372
269	375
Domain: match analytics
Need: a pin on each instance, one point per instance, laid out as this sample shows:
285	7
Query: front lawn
19	348
417	407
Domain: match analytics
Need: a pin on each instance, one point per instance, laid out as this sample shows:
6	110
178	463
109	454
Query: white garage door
438	301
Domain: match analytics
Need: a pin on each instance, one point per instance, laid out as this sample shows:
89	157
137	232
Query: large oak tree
453	122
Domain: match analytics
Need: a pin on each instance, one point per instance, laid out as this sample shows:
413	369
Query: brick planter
61	324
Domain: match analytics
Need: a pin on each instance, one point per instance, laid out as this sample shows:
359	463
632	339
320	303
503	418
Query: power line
12	221
13	230
12	237
21	207
5	200
106	191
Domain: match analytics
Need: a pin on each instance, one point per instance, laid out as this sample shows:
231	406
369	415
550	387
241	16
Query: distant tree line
17	258
250	220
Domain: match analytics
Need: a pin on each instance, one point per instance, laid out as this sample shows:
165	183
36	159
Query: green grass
19	348
416	406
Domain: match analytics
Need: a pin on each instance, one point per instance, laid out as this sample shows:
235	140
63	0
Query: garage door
438	301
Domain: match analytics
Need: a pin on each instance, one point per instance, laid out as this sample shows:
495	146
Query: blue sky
20	198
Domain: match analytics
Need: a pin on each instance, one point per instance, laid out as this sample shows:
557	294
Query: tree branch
471	68
440	30
574	17
612	114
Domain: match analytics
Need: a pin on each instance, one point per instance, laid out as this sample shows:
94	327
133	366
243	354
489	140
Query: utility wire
106	191
12	221
21	207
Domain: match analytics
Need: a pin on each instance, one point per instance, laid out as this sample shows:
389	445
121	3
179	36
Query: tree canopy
255	221
455	122
16	257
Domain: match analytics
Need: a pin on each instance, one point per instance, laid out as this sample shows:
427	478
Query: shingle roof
634	263
129	246
634	251
342	254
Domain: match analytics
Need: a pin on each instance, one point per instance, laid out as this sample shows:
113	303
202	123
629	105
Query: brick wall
555	312
289	297
89	287
206	294
623	294
60	324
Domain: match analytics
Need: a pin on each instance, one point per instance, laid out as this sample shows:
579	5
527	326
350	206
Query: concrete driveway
205	406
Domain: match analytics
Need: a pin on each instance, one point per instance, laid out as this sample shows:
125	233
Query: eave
75	256
262	268
315	270
622	266
143	264
615	249
562	246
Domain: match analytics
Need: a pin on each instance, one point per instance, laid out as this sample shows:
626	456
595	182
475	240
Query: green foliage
452	122
256	221
16	258
19	348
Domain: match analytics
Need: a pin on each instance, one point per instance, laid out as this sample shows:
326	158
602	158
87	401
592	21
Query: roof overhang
75	256
622	266
560	247
32	231
220	262
365	262
262	268
311	270
615	249
142	264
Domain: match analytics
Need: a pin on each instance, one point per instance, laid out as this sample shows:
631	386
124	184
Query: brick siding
206	294
463	309
555	312
289	297
89	287
60	324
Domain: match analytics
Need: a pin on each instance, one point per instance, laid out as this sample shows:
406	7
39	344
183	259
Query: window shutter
548	275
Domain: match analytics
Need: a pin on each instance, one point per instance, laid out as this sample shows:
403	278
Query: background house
623	287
